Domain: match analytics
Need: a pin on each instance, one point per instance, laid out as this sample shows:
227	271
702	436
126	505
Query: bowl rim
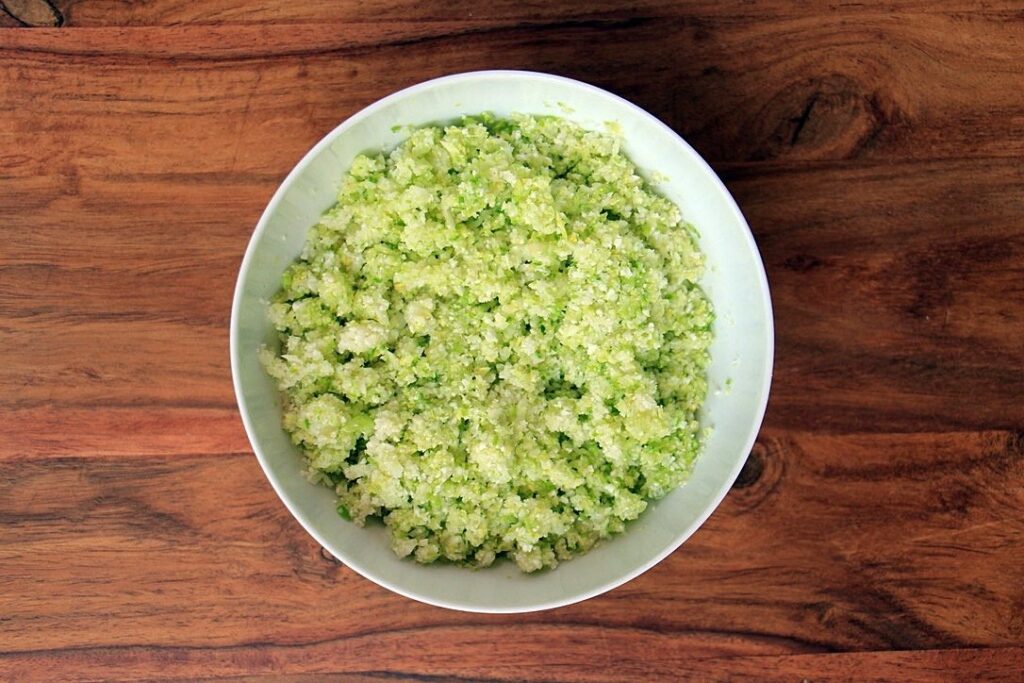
320	146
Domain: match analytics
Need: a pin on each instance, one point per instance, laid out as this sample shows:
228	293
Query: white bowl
740	371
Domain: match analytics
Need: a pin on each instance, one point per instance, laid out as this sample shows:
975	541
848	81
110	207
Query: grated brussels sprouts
495	341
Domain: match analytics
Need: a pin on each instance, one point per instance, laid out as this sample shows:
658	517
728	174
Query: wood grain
880	87
132	294
915	307
175	12
797	564
877	531
954	666
994	664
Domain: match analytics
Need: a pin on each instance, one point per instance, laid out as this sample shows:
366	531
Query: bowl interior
741	354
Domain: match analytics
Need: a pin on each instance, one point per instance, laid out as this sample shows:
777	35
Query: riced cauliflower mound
495	342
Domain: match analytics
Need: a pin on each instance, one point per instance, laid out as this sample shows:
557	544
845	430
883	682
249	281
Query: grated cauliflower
495	342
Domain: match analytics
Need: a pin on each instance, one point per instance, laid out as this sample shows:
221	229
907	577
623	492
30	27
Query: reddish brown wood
795	561
877	532
995	664
164	12
871	85
30	13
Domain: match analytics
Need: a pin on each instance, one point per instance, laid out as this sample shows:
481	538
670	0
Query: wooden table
878	152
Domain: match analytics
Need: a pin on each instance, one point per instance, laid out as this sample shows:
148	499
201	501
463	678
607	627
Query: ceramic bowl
740	371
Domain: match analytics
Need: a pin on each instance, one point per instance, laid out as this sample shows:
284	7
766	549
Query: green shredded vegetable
495	342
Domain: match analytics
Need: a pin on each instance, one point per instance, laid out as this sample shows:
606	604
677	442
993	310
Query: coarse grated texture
496	342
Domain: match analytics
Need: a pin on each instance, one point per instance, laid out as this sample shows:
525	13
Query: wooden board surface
877	151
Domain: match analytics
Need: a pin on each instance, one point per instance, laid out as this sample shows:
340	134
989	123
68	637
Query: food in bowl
495	341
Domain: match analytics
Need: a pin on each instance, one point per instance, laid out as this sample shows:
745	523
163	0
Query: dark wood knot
761	475
326	554
823	117
33	12
802	263
752	469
